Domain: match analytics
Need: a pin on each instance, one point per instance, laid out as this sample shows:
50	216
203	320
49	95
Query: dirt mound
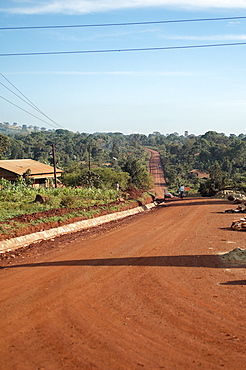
231	195
236	255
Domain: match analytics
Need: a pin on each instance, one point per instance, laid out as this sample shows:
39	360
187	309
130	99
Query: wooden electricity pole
89	157
54	164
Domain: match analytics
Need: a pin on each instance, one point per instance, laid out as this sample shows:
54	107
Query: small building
200	174
40	173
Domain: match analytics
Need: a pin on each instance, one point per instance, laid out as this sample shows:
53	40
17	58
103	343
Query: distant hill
12	129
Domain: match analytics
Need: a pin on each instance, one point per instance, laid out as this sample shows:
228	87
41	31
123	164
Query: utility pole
89	157
54	164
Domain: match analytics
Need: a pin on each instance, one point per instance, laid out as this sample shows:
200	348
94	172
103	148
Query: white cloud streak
94	6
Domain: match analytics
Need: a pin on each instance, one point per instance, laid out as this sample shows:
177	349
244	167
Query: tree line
100	159
115	157
222	157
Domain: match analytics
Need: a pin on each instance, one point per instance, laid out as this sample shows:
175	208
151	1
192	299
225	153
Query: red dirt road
156	171
147	292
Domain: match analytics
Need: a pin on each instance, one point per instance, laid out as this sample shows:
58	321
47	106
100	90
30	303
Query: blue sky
195	89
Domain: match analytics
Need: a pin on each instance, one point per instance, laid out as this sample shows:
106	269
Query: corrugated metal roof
199	173
20	166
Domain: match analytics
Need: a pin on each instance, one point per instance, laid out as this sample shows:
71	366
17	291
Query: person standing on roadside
181	191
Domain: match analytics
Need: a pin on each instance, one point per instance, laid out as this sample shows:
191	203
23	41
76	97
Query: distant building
13	168
200	174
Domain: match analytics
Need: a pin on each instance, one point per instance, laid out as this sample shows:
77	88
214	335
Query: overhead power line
24	110
27	101
30	104
123	24
123	50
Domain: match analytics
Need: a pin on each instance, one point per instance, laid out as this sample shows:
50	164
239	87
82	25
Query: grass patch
67	203
17	200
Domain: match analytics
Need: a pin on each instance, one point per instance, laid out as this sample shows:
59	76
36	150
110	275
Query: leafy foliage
223	158
102	159
20	197
4	144
139	175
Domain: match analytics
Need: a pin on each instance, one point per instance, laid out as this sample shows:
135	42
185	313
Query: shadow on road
235	282
207	261
176	202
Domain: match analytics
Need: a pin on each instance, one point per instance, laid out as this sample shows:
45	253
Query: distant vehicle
167	194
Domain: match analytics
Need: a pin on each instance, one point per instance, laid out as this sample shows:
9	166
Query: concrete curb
23	241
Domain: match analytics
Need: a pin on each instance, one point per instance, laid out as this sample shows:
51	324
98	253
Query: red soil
147	292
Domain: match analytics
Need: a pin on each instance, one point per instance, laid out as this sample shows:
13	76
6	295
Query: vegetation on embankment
18	199
21	213
102	174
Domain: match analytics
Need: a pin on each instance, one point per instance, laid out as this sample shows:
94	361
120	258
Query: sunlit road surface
156	171
148	292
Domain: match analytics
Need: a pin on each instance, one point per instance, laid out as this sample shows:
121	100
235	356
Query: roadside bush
70	179
100	177
89	179
208	188
109	177
67	201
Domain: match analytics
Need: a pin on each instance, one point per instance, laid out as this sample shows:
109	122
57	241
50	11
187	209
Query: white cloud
91	6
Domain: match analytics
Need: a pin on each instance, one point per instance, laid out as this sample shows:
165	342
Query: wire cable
124	24
123	50
25	111
18	96
26	100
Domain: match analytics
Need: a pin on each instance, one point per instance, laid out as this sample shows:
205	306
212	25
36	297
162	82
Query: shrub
67	201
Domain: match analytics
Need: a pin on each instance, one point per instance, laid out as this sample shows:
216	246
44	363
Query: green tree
139	175
4	144
109	178
89	179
